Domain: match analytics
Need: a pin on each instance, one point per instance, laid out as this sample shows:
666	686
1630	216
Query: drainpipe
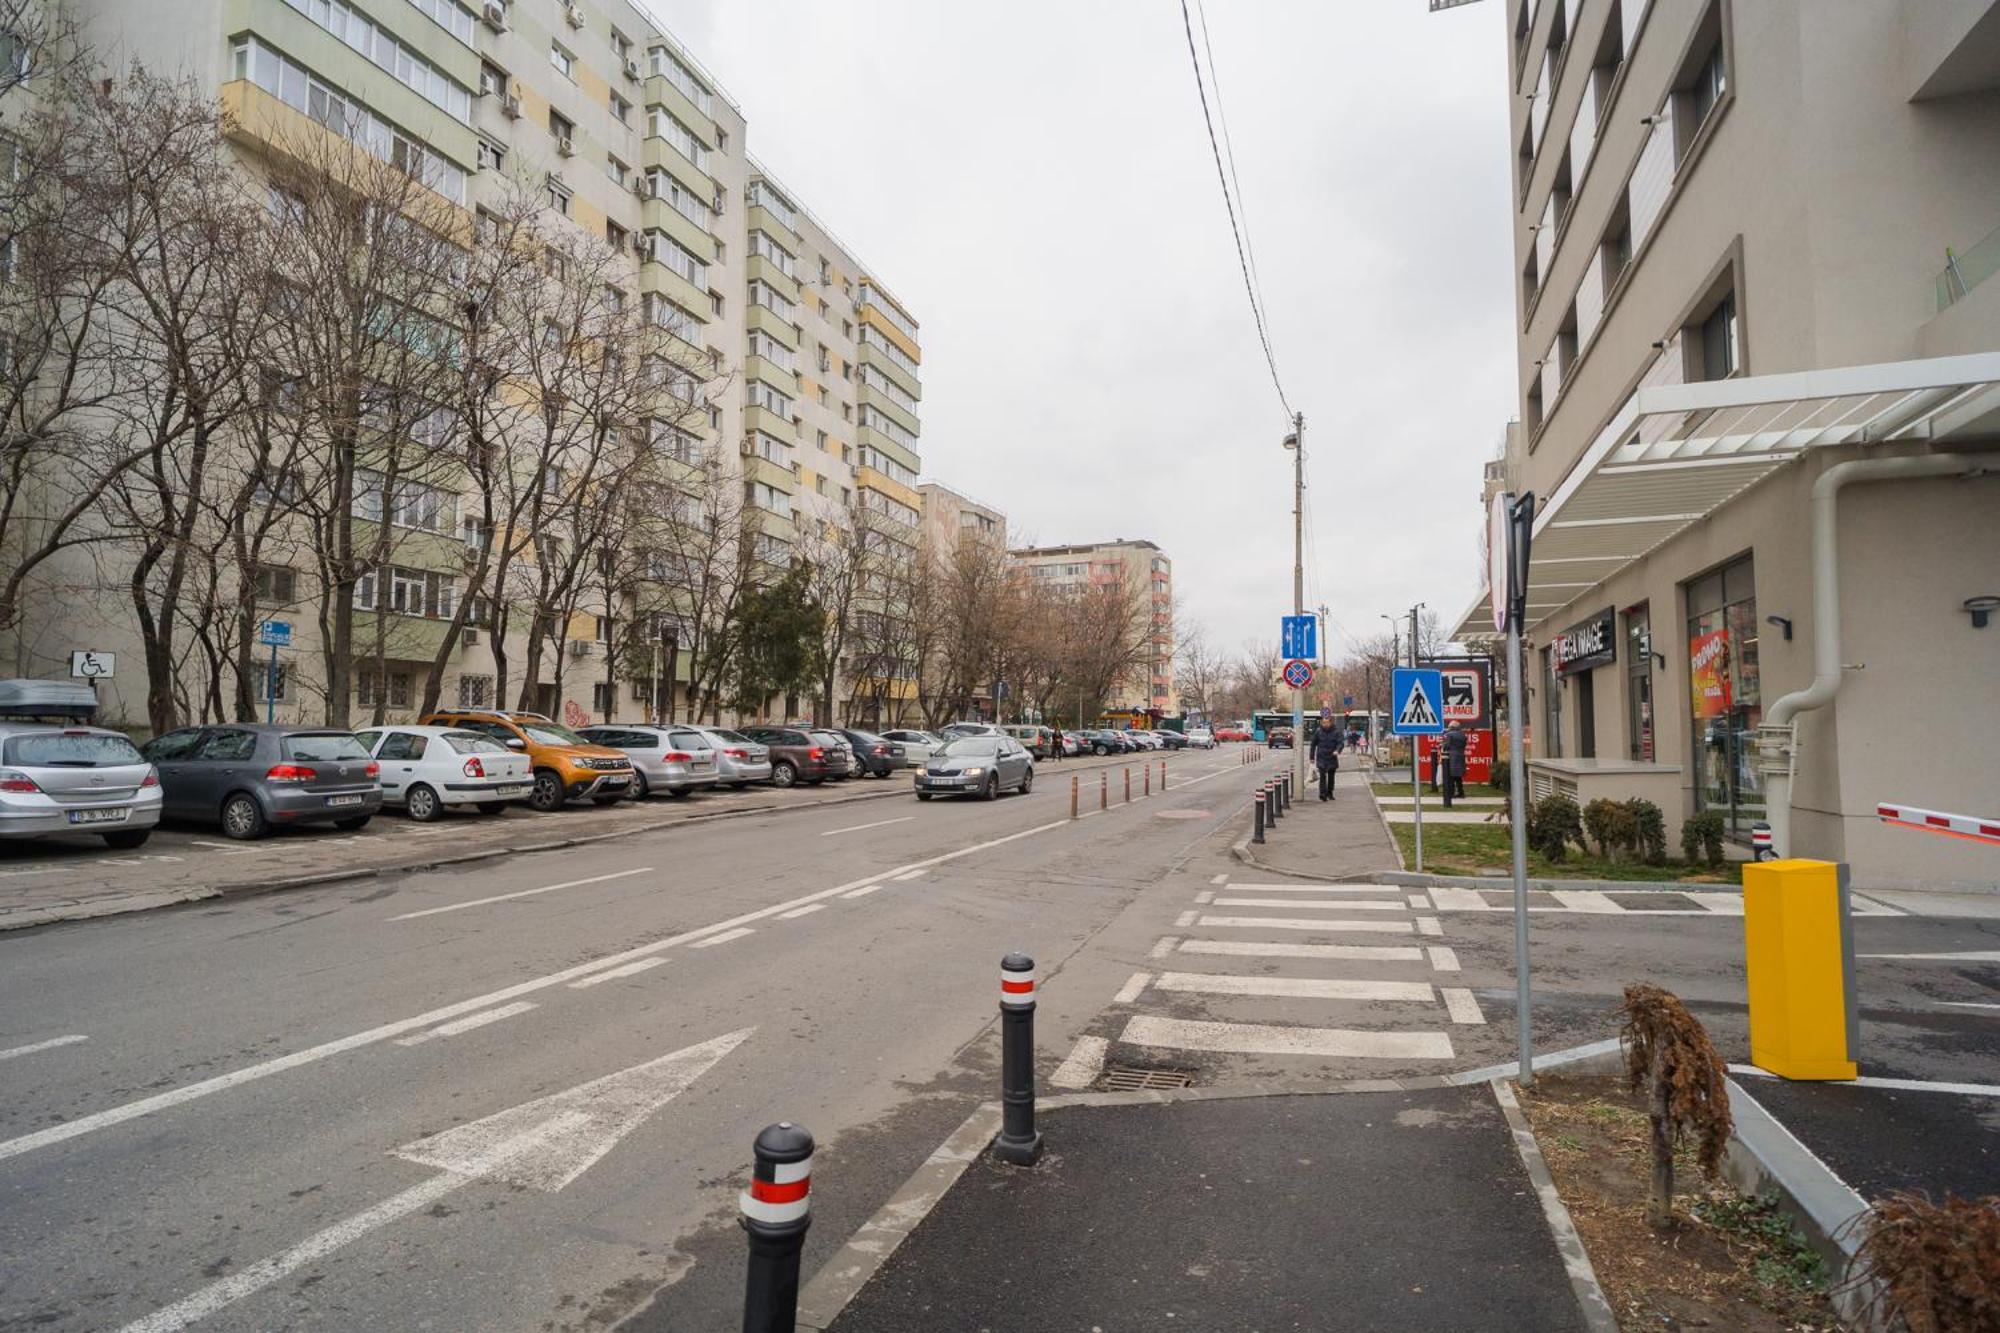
1777	750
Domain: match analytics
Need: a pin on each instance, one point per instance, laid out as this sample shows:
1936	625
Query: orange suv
566	766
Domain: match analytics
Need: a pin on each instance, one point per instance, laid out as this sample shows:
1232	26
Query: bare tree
1198	673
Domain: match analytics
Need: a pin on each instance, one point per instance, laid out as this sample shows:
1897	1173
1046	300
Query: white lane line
1204	898
1443	959
1317	927
1898	1084
523	893
1374	953
1980	956
1332	905
1297	988
1186	919
468	1023
723	938
1377	889
161	1101
1428	925
1220	879
1949	1004
219	846
1421	903
1270	1039
864	890
1083	1064
629	970
1451	899
1133	988
1461	1005
880	823
798	912
911	874
1165	946
45	870
48	1045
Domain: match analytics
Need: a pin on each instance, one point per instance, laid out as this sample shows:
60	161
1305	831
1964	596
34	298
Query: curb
1590	1299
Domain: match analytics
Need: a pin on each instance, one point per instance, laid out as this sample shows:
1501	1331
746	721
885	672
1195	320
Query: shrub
1930	1267
1701	838
1649	828
1553	824
1612	825
1668	1053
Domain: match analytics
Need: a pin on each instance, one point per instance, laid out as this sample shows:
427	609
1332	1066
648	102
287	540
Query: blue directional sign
1416	701
275	633
1298	638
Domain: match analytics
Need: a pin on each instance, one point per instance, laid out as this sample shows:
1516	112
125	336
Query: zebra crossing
1299	972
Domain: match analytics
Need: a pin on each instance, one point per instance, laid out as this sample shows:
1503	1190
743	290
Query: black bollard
1257	819
1277	800
1018	1142
776	1212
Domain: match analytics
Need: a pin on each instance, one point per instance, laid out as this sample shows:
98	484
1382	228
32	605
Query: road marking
1461	1005
161	1101
1898	1084
912	874
1443	959
1979	956
1451	899
1330	927
797	912
45	870
219	846
1083	1064
48	1045
1421	903
523	893
1333	905
1270	1039
1428	925
1377	889
1949	1004
1586	900
467	1024
1380	953
1186	919
1724	904
1133	988
629	970
1297	988
1220	879
723	938
864	890
880	823
1204	898
1165	946
543	1144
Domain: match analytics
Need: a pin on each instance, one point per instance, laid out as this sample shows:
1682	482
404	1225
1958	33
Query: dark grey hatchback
251	778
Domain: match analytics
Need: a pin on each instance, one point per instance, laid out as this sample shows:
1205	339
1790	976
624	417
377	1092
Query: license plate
343	800
518	789
99	816
617	782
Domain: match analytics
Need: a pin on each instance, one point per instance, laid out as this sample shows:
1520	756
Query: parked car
251	777
977	766
841	760
669	760
795	756
566	767
953	729
918	746
75	779
1104	742
739	761
879	755
1143	740
1037	741
1201	738
428	770
1172	740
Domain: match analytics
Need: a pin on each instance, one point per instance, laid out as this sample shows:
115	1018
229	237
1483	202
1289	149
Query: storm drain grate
1131	1078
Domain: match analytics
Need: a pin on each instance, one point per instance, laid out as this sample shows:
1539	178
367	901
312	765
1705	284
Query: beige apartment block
1144	569
1755	248
951	518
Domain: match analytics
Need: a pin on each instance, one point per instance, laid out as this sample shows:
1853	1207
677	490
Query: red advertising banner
1468	701
1708	672
1478	756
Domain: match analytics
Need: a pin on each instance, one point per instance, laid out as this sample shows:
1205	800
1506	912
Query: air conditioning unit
512	106
471	638
639	187
566	147
575	16
749	447
642	247
496	17
581	647
632	69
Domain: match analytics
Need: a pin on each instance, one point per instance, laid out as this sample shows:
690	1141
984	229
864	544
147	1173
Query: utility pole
1296	442
1416	748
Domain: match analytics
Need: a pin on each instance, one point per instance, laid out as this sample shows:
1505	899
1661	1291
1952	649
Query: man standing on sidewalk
1326	753
1450	758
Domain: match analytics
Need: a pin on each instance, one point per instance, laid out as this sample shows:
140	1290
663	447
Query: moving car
1200	738
75	779
566	767
250	777
739	761
1232	733
918	746
879	755
977	766
795	756
427	770
673	760
1280	738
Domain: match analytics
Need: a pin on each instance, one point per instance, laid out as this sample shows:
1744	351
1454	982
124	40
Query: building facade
951	518
1144	570
1753	246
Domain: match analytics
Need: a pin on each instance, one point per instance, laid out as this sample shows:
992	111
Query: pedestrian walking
1055	743
1451	758
1326	754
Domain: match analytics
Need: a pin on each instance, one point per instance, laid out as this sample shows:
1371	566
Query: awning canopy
1676	453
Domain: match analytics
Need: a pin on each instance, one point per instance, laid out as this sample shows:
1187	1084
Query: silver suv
76	779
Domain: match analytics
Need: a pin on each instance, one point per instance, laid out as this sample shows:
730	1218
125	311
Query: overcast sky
1034	182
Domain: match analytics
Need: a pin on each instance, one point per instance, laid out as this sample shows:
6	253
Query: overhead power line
1229	203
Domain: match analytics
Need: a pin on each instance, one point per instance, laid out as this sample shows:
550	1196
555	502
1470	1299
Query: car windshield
689	740
466	742
325	746
549	733
733	737
972	745
71	750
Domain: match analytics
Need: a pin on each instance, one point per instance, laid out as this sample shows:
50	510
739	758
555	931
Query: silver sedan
981	766
739	761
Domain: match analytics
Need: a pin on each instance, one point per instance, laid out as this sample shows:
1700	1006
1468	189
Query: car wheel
991	791
423	804
492	807
241	819
349	825
1100	750
923	796
127	839
548	792
784	773
640	789
1028	780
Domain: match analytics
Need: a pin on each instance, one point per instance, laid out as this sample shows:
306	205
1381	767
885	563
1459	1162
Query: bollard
1018	1142
1257	820
1128	784
1270	811
776	1212
1146	776
1103	791
1277	799
1072	796
1761	848
1288	791
1284	792
1163	775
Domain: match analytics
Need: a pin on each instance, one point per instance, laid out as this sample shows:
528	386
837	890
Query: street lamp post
1296	442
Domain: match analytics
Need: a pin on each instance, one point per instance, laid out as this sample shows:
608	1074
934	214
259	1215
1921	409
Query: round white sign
1496	558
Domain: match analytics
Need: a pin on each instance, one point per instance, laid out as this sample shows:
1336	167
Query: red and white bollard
1018	1142
777	1210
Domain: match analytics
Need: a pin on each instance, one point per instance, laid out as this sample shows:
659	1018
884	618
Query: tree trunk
1660	1198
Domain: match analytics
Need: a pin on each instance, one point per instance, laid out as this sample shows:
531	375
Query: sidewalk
1406	1210
1339	839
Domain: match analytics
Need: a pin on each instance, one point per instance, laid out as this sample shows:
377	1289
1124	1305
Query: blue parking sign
1416	701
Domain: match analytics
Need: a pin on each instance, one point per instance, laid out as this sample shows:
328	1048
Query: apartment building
1759	356
951	517
807	367
1146	572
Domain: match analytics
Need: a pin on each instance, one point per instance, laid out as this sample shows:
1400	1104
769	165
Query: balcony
868	479
1963	272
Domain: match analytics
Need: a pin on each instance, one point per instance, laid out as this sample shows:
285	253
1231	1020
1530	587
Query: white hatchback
428	769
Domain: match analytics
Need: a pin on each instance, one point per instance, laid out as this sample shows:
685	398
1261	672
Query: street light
1295	442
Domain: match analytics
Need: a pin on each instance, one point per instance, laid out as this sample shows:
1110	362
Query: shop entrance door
1726	701
1586	714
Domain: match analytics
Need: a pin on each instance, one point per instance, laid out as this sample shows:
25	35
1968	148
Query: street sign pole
271	689
1299	585
1519	521
1416	783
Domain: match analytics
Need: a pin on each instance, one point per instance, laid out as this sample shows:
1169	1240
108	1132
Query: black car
879	756
1173	740
1105	742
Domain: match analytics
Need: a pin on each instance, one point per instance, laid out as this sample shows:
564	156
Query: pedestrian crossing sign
1417	694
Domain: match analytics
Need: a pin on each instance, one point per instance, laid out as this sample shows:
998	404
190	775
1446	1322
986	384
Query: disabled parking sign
1416	697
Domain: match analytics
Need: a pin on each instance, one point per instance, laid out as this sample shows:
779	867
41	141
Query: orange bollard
1072	796
1128	784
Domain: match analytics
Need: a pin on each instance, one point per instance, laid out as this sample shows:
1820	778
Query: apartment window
492	157
393	688
715	301
1530	279
764	345
663	249
1703	82
560	126
763	246
1614	255
1717	335
822	440
663	125
559	197
617	170
821	389
453	17
763	395
621	45
276	585
847	328
1533	408
761	495
1562	195
762	195
564	62
621	110
400	62
492	80
769	297
825	276
669	67
1710	82
614	235
475	691
673	442
614	300
475	532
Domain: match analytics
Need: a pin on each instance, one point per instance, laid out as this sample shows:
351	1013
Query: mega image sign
1591	643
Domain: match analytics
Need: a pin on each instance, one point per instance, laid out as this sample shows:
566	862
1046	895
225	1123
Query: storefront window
1726	703
1639	684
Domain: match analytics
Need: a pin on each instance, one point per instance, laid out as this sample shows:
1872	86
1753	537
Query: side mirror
516	743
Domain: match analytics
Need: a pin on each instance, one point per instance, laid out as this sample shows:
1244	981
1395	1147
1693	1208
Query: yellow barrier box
1798	953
